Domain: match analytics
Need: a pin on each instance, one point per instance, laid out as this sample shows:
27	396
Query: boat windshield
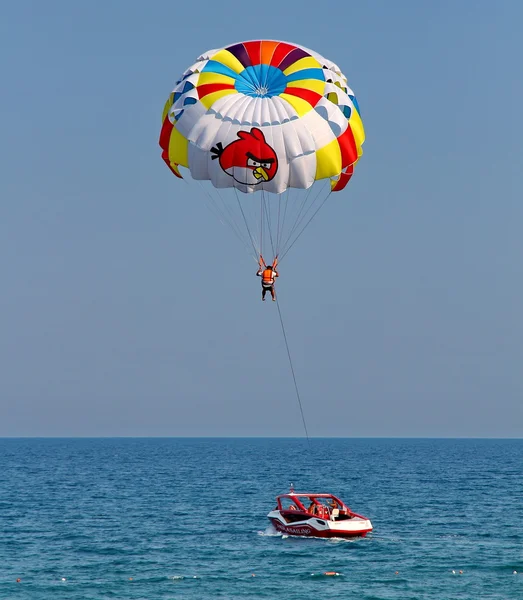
289	504
312	503
320	505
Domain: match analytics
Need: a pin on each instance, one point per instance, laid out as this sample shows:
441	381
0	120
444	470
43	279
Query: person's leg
264	291
273	294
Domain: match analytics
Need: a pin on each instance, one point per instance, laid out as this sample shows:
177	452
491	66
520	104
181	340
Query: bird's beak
261	172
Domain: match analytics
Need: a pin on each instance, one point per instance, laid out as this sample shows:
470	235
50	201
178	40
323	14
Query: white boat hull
311	526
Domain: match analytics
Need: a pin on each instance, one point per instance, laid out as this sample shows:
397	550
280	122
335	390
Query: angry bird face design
248	160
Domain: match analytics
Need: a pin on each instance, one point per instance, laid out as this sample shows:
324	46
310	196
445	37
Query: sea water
186	519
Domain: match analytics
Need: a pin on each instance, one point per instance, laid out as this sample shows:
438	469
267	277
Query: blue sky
115	317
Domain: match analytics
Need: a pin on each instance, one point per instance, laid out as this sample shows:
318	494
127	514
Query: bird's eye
266	165
253	163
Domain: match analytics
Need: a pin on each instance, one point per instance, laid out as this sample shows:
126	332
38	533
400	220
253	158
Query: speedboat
317	515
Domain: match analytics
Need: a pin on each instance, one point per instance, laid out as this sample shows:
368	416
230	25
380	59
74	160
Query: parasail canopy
263	116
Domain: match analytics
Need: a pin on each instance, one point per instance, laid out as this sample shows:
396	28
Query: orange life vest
268	277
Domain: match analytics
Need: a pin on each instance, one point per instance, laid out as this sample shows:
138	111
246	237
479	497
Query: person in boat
312	508
268	273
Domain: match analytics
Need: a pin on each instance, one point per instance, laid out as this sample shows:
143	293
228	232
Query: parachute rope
230	213
287	202
302	214
272	223
293	373
247	226
306	225
278	226
261	226
300	207
215	209
268	212
268	218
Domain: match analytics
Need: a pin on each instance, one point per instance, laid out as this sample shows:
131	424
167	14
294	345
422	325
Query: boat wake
271	531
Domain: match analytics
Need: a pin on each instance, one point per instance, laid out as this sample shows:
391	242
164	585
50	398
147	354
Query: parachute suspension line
216	210
301	213
309	208
307	224
299	209
292	212
268	217
287	201
267	203
278	227
232	216
261	222
281	223
293	374
256	253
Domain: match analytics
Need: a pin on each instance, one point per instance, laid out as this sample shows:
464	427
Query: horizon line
239	437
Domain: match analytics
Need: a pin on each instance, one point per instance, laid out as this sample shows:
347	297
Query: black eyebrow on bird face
260	160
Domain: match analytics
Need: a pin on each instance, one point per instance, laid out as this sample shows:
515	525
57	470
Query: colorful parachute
263	116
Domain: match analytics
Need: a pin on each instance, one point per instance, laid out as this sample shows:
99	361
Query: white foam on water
271	531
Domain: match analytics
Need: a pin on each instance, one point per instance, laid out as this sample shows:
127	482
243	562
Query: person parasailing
268	273
252	122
